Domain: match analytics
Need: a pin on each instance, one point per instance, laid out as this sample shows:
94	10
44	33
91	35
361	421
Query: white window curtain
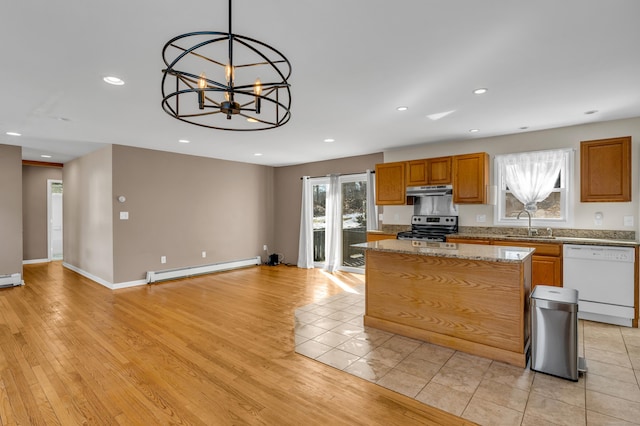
531	176
305	248
372	209
334	224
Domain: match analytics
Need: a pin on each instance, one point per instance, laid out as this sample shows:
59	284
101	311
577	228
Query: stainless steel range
430	228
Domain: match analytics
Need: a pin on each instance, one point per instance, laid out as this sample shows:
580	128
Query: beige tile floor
478	389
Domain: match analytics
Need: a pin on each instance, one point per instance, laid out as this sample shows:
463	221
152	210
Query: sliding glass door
352	223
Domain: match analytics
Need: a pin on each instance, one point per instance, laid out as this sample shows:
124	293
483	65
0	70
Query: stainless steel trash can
554	332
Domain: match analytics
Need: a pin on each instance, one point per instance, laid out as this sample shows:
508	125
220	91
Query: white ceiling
545	63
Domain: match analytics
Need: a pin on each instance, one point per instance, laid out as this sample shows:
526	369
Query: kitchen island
468	297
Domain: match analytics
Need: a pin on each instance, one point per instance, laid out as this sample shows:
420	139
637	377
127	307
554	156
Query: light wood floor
214	350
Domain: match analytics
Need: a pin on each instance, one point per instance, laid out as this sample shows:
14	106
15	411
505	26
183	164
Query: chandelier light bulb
229	73
257	90
257	87
202	84
202	81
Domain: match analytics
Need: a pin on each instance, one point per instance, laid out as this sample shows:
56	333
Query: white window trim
566	193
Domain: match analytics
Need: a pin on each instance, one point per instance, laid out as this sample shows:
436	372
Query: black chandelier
255	83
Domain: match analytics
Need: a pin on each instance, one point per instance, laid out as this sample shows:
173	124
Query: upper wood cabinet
417	172
605	170
390	183
439	170
429	171
470	178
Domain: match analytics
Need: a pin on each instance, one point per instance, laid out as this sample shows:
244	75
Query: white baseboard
172	274
192	271
109	285
31	261
11	280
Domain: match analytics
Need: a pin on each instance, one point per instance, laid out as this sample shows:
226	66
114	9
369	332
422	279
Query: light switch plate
124	215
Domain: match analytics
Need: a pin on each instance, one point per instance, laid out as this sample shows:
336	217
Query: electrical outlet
597	218
628	221
163	259
481	218
204	254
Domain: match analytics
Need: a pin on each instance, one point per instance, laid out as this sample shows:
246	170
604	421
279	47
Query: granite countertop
545	239
451	250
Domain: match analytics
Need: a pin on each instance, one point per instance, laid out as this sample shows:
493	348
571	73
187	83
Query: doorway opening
353	223
54	219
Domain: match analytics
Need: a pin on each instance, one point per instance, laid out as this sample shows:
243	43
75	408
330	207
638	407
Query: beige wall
10	210
181	205
34	210
288	197
564	137
87	218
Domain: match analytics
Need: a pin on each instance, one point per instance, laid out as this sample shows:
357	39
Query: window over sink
552	210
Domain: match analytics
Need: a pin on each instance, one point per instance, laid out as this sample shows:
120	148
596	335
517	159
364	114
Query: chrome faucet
530	232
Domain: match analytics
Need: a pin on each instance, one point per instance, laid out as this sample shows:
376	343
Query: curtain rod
340	174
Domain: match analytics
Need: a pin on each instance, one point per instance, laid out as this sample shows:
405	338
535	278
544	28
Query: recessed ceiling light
258	154
402	108
45	156
14	134
329	140
474	130
524	127
113	80
480	91
439	115
593	111
183	141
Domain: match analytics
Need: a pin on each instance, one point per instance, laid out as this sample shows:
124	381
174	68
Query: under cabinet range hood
429	190
433	200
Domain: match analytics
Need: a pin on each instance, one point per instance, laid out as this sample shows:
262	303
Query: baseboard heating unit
10	280
171	274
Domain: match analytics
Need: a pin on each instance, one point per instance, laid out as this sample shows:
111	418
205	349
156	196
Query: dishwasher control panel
612	254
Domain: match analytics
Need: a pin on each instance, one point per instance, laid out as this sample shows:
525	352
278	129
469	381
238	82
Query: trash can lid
555	294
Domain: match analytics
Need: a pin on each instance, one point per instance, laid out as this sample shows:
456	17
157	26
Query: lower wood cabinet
377	236
546	270
546	262
467	241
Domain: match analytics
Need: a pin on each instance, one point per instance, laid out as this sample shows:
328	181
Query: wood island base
476	305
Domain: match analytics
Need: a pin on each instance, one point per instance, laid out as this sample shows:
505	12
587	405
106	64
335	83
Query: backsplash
394	229
500	230
560	232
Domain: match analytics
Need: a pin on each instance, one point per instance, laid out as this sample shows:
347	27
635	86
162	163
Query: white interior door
54	209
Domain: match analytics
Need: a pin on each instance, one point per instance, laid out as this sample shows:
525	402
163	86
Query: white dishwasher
604	278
